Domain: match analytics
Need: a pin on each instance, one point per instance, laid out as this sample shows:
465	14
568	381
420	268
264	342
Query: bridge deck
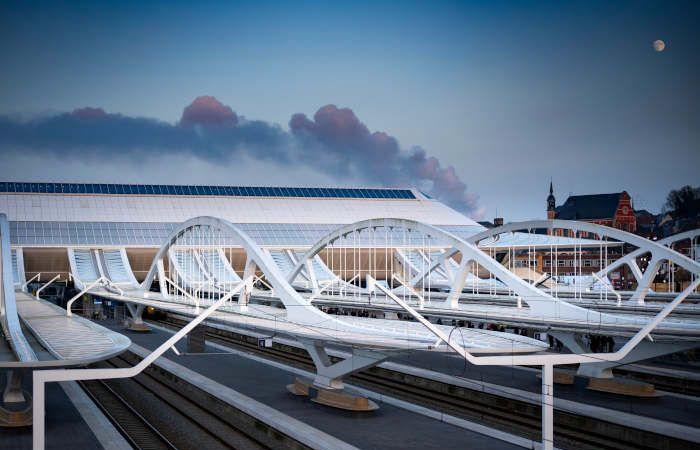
66	341
373	333
627	322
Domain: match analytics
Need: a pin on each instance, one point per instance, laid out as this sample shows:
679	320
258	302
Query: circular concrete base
139	327
336	398
623	386
562	376
16	414
343	400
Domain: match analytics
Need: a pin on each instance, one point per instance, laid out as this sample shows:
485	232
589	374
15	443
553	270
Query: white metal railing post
80	294
185	293
609	288
41	377
548	407
26	283
45	285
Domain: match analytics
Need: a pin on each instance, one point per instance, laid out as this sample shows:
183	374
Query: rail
45	285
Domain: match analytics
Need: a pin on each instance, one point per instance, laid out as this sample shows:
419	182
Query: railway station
182	316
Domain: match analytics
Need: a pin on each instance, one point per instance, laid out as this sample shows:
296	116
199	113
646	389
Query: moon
659	45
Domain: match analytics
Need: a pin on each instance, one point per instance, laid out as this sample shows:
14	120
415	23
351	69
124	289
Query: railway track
135	428
157	411
519	417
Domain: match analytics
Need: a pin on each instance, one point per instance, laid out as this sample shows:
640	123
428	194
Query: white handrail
609	288
185	293
24	286
80	294
110	283
321	291
41	377
44	286
547	361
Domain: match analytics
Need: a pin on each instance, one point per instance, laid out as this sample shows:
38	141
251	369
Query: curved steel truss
540	302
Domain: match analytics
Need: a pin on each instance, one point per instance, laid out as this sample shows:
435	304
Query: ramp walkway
59	340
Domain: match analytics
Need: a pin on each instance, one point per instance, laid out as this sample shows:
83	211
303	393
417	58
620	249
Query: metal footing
17	414
140	327
135	322
336	398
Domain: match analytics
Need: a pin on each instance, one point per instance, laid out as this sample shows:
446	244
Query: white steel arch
659	250
541	303
299	309
631	259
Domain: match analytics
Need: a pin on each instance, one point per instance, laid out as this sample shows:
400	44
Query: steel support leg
460	278
548	407
136	321
38	413
330	375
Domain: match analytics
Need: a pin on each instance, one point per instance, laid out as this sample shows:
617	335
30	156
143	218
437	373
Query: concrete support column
136	322
248	273
161	279
13	389
330	375
458	284
196	339
643	284
548	407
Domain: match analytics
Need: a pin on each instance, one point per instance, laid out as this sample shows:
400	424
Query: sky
479	104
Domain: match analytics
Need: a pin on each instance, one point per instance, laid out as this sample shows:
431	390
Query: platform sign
265	342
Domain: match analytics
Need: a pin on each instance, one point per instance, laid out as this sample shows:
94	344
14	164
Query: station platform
668	407
669	414
389	427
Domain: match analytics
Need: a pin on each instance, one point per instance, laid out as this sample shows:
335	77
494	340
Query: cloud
207	110
378	156
334	142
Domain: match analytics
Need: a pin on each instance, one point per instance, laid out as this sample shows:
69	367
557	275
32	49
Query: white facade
176	209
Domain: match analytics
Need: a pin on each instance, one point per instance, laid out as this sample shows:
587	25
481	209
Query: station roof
203	190
63	202
127	215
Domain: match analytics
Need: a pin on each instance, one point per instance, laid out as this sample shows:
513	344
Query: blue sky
508	93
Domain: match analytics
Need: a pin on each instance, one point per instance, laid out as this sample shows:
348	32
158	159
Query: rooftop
200	190
594	206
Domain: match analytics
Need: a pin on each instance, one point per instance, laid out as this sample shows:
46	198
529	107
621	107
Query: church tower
551	203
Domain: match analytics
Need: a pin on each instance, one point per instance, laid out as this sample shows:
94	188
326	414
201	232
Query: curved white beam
659	250
601	230
299	309
541	303
9	320
632	256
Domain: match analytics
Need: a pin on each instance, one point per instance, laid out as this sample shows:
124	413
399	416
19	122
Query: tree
683	202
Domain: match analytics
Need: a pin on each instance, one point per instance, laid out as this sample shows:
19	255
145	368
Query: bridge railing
9	320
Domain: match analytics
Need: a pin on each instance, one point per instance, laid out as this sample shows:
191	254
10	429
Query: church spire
551	202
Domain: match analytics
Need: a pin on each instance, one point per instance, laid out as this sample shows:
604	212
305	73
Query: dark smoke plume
335	141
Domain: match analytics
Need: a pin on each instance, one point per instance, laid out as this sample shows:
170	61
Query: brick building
612	210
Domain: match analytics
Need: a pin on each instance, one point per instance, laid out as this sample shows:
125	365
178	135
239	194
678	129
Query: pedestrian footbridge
386	265
39	335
